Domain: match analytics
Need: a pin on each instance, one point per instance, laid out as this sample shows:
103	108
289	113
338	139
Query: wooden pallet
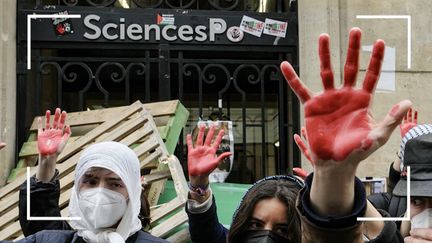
152	130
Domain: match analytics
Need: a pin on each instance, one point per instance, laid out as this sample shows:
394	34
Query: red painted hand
338	121
408	122
202	158
300	172
52	139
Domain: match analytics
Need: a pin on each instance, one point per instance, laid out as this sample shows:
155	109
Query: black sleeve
44	201
334	222
394	177
390	233
380	201
205	227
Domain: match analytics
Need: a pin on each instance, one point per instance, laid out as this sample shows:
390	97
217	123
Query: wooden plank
165	209
145	161
31	149
9	231
152	177
78	144
162	108
9	201
174	221
181	236
101	115
178	177
86	117
181	116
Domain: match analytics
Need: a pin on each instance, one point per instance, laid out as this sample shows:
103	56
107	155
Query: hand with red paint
300	172
202	158
408	122
340	130
51	142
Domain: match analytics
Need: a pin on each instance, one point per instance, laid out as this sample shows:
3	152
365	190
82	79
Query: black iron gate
245	79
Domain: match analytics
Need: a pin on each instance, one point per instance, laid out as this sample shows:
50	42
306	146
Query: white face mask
102	208
422	220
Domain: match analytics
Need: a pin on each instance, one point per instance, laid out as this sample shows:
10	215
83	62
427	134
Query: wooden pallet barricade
152	130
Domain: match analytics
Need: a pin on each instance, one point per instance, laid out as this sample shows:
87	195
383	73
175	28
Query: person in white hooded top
106	194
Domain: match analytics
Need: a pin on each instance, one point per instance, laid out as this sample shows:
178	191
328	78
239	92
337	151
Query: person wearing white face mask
106	194
417	153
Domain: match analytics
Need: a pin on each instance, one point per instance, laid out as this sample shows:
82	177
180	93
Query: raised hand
408	122
202	158
52	139
340	130
338	121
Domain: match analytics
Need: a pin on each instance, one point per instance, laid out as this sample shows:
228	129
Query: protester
395	205
266	213
340	134
417	153
106	193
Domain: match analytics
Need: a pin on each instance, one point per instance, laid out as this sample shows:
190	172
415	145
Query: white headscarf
121	160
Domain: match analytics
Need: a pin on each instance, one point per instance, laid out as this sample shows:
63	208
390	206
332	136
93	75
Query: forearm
46	167
332	191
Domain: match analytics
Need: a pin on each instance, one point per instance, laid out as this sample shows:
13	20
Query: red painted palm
202	158
52	139
338	121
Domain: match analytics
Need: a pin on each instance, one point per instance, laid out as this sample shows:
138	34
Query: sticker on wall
235	34
275	28
165	19
62	26
251	26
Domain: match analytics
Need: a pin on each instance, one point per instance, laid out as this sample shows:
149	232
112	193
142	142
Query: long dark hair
144	214
276	187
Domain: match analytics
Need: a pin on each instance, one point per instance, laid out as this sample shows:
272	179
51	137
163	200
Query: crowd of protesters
324	206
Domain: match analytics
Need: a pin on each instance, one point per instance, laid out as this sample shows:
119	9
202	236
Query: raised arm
204	225
45	187
51	141
340	129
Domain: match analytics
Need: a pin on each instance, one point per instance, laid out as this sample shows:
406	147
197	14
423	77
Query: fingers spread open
222	156
304	133
56	118
352	60
189	142
326	69
67	132
62	120
39	124
385	128
47	119
302	92
218	139
374	68
210	135
303	148
200	138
